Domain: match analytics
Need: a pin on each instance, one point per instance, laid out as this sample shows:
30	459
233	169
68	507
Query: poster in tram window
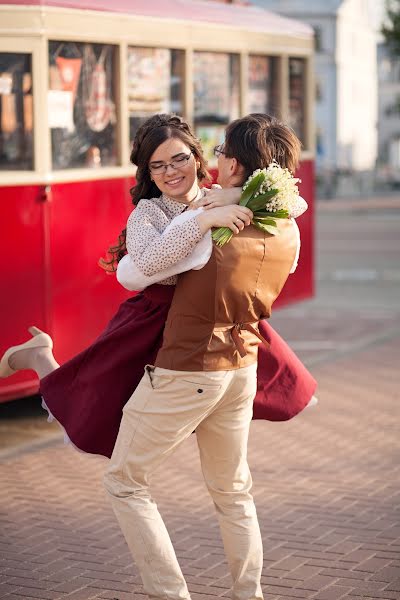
263	85
216	96
216	87
258	84
16	112
155	83
149	72
81	105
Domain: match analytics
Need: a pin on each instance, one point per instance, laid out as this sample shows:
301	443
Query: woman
86	394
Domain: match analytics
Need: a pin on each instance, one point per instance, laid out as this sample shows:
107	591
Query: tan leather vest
212	307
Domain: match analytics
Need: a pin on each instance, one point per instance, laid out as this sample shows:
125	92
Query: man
204	379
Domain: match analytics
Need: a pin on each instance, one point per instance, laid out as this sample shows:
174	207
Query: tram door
85	219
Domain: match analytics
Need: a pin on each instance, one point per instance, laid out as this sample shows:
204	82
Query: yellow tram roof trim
138	30
250	18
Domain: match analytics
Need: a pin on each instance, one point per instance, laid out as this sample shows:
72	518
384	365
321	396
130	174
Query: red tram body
57	219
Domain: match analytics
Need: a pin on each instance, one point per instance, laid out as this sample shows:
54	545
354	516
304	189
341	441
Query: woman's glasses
178	163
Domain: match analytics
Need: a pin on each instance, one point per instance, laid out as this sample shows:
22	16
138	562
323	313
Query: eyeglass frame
218	151
170	164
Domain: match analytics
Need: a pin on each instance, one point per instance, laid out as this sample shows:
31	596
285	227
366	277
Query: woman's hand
217	196
232	216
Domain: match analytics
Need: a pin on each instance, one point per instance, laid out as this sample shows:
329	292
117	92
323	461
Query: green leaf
263	213
251	188
267	228
265	221
281	214
259	202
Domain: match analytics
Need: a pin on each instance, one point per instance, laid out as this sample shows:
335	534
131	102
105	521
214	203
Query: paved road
357	299
326	484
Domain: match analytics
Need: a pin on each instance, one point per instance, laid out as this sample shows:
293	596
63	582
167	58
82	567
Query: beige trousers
165	409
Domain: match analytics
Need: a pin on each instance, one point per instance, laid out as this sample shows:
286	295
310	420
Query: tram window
263	85
216	96
16	112
81	104
155	83
297	96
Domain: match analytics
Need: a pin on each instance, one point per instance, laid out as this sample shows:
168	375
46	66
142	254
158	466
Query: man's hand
218	197
232	216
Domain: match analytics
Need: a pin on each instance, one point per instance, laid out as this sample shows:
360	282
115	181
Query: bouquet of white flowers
271	194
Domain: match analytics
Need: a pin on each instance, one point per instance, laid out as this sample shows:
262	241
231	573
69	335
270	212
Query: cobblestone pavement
326	484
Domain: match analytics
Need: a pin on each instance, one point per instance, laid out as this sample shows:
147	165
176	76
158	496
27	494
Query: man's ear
234	166
237	169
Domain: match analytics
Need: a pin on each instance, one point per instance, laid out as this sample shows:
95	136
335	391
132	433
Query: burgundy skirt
87	394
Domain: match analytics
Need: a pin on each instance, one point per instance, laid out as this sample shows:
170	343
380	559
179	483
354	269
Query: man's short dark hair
258	139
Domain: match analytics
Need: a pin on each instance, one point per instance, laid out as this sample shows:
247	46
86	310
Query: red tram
76	80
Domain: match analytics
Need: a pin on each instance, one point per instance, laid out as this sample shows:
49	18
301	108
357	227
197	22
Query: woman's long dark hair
148	138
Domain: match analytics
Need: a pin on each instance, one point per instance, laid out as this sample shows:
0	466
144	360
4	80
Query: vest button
199	391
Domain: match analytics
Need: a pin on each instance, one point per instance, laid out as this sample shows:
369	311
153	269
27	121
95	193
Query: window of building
318	39
16	111
394	152
263	87
319	143
396	70
393	109
297	96
81	104
155	83
216	96
318	90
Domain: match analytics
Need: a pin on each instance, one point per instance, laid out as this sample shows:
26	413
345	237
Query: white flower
280	179
285	200
250	179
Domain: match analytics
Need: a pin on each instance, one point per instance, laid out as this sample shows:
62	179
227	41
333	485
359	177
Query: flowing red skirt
87	394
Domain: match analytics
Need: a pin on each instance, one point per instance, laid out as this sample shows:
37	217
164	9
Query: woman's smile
179	178
174	182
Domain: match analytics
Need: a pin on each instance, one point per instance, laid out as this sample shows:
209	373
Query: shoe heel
34	330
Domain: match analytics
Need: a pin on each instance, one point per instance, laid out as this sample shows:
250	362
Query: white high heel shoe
313	402
39	339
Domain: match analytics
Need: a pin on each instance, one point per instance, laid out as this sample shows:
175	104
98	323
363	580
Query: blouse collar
175	207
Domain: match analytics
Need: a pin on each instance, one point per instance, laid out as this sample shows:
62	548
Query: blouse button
199	391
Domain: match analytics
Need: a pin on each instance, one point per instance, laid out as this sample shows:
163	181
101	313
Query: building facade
389	119
345	88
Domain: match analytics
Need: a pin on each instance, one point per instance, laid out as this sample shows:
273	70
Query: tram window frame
87	135
17	83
